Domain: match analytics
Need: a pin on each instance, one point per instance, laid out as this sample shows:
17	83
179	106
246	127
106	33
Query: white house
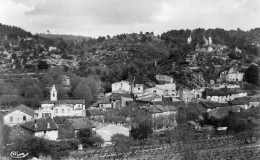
55	107
232	75
169	89
155	90
138	89
121	87
223	95
187	95
44	127
18	115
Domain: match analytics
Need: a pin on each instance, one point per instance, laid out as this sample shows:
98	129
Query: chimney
48	125
35	124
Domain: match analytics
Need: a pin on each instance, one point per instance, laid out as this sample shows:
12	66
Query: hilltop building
232	75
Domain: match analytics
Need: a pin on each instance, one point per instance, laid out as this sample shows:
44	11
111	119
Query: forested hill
64	37
12	32
140	55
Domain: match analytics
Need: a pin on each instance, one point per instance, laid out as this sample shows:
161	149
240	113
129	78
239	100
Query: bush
88	138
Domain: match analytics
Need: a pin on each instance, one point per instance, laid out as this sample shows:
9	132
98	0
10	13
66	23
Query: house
105	104
116	99
160	111
150	98
187	95
232	75
246	102
154	90
210	106
65	80
18	115
44	127
65	129
107	131
55	107
138	89
121	87
81	123
96	114
169	89
162	79
223	95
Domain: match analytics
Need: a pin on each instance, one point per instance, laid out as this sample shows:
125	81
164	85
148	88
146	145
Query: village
129	96
115	112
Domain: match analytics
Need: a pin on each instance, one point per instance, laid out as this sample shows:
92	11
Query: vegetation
88	138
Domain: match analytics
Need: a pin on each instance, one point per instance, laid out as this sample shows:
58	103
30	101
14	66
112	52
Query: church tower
54	94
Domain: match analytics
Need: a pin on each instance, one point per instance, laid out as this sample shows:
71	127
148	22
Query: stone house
232	75
81	123
44	127
246	102
121	87
96	114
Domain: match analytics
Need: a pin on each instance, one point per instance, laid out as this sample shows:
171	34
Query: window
56	110
138	88
44	132
62	110
24	118
11	119
154	91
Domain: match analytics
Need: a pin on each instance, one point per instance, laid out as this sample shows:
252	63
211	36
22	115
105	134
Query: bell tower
54	94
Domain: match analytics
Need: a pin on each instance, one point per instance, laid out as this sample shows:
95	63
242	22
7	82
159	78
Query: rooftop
22	108
42	125
80	101
81	123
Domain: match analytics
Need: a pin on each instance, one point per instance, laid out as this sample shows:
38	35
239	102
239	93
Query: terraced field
222	148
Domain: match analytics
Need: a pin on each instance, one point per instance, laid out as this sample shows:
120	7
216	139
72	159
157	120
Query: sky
111	17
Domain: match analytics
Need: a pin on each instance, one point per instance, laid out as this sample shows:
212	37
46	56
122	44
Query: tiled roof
94	112
81	123
222	91
41	124
104	101
117	96
159	108
66	130
80	101
244	100
207	104
22	108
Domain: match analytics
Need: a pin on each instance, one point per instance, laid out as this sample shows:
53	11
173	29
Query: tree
121	143
83	91
43	65
141	131
252	75
46	79
87	89
56	74
35	146
88	138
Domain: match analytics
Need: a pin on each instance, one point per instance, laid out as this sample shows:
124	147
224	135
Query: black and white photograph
129	80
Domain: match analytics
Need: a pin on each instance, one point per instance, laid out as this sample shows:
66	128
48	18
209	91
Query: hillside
64	37
126	56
